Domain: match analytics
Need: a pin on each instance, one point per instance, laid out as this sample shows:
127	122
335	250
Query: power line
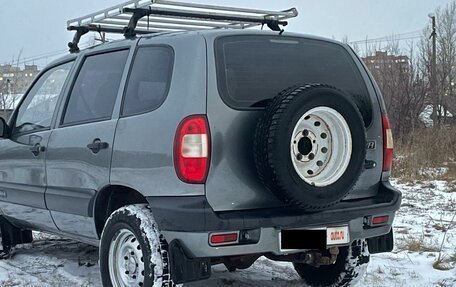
43	56
372	41
395	37
40	56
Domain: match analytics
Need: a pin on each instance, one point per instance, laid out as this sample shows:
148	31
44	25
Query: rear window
253	69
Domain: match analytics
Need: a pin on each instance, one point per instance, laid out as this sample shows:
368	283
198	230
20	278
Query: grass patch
442	264
426	154
417	244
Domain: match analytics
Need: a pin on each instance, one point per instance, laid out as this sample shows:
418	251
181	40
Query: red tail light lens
224	238
380	220
387	144
192	149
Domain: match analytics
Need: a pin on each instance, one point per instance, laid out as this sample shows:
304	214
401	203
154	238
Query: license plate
319	238
337	235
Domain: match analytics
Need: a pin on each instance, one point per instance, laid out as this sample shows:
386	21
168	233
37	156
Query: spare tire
310	146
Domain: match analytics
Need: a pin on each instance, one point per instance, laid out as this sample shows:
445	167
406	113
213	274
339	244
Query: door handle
37	148
97	145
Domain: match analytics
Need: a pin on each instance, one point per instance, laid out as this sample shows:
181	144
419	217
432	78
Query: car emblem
371	145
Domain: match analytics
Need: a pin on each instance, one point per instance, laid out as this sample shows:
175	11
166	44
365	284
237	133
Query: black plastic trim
381	244
185	269
194	214
76	201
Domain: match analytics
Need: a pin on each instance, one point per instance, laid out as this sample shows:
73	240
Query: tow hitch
313	257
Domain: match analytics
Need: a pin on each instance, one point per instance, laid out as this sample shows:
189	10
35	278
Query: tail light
380	220
387	144
192	149
216	239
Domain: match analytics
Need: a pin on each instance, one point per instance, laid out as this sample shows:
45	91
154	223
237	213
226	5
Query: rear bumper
191	219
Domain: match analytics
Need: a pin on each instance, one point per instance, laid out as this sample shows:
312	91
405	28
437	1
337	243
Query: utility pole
435	103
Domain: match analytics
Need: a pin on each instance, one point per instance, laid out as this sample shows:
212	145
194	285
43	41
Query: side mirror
4	129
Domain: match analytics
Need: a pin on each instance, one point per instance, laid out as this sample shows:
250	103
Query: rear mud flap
381	244
185	269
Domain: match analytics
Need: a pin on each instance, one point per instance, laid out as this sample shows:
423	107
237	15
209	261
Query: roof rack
154	16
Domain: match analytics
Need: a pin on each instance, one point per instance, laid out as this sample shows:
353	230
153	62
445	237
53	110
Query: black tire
137	219
350	266
272	146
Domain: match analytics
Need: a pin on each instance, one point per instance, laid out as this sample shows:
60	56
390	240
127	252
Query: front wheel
350	266
132	253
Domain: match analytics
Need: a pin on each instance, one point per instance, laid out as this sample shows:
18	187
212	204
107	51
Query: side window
149	80
94	93
36	111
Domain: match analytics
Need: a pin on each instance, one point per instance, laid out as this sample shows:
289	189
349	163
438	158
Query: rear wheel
132	252
350	266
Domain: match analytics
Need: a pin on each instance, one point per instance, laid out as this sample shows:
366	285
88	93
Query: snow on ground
424	226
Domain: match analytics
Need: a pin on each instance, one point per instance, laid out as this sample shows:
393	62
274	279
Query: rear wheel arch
109	199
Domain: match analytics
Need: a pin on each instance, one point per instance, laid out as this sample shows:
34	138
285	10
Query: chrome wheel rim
126	264
321	146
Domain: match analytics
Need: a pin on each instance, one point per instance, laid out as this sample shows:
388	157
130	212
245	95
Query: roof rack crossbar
129	18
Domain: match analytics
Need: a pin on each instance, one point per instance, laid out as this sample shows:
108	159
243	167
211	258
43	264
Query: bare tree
403	84
446	60
443	99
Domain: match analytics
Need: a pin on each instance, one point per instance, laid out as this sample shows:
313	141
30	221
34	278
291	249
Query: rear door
80	148
247	71
23	154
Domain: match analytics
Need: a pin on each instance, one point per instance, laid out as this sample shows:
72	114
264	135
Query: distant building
381	61
14	80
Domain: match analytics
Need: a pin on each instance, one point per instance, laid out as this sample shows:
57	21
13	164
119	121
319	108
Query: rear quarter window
149	80
253	69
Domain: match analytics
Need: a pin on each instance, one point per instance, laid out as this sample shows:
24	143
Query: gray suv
177	151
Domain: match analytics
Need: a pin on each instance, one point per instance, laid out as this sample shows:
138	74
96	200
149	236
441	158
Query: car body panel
143	148
23	174
233	183
23	180
75	173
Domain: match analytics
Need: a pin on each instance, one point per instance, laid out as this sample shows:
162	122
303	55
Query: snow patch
426	212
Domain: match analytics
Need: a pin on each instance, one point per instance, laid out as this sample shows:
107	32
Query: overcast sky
39	27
